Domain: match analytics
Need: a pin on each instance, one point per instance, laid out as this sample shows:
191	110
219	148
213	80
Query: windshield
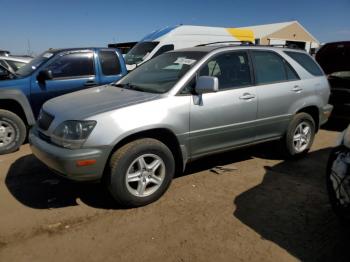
139	52
27	69
160	74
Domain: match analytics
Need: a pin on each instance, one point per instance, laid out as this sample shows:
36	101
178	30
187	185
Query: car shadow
36	186
291	208
270	150
336	124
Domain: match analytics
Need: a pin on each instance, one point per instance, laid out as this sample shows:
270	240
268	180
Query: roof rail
247	43
228	42
291	46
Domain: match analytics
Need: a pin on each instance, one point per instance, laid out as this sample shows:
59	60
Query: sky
37	25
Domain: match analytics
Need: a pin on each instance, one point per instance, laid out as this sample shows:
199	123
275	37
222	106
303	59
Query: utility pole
29	51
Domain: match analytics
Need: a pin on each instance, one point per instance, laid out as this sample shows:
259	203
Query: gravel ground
245	205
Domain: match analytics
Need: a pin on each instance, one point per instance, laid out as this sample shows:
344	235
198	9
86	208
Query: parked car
338	177
13	63
182	105
181	36
53	73
334	58
4	52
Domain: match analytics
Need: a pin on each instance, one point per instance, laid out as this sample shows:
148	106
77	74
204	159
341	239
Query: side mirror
44	75
207	84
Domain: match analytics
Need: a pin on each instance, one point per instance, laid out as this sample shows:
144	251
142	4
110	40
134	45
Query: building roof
268	29
261	31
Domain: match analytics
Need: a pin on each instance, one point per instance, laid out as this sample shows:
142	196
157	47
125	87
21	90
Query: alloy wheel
7	133
145	175
302	136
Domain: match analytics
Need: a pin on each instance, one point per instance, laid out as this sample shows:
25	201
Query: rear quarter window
306	62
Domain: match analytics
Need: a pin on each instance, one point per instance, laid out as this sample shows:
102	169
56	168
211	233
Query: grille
45	120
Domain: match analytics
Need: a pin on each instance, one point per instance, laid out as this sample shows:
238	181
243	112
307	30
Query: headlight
72	134
347	137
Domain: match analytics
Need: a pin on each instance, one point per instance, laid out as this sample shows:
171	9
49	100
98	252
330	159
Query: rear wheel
300	135
141	172
12	132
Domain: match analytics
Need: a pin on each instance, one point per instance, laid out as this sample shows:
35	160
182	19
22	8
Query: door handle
247	96
297	89
90	83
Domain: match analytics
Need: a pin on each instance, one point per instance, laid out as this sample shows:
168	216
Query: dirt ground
246	205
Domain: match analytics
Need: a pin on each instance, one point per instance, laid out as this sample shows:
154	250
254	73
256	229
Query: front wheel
300	135
12	132
141	172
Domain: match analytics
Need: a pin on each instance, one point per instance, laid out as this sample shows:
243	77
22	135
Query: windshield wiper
129	86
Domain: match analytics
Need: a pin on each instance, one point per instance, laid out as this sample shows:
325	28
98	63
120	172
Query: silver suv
135	134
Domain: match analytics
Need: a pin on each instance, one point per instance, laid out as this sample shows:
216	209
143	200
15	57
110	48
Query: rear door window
306	62
272	68
269	67
109	63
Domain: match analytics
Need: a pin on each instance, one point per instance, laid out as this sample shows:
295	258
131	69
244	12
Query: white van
181	36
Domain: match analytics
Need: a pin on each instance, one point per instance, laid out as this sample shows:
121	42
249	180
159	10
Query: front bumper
64	161
325	113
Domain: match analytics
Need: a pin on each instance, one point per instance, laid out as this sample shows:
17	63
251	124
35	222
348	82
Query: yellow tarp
242	34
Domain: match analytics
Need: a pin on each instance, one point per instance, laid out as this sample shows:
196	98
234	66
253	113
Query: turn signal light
87	162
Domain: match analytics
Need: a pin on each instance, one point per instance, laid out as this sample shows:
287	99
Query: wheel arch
15	101
314	112
165	136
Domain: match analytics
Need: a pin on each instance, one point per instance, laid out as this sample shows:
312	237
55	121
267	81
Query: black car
338	177
4	52
334	58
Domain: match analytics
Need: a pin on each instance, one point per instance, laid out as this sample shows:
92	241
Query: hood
334	57
92	101
15	83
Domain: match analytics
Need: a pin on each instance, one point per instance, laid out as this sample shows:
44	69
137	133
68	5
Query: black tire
288	143
343	213
123	158
8	118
